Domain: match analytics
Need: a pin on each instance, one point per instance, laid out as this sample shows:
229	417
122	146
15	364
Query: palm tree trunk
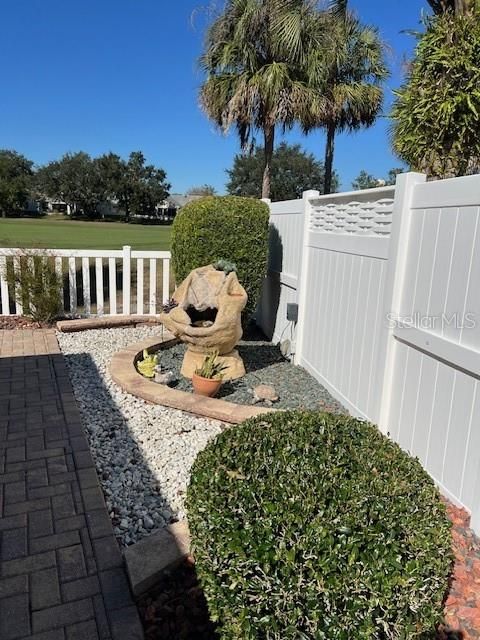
460	7
329	151
269	135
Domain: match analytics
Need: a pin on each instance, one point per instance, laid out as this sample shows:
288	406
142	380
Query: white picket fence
387	286
97	282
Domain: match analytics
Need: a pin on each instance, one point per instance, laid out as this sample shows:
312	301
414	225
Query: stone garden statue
208	318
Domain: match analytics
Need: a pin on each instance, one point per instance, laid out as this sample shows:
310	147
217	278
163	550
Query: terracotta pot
205	386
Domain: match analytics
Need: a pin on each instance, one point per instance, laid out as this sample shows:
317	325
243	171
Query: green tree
137	187
365	180
458	7
293	171
112	171
144	186
75	180
251	59
436	112
15	181
347	73
392	175
203	190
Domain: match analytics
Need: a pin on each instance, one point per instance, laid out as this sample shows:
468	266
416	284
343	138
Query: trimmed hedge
316	526
229	228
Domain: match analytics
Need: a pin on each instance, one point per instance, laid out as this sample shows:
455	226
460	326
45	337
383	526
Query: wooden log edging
105	322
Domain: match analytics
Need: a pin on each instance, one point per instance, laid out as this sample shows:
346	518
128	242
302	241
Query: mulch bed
175	609
462	608
20	322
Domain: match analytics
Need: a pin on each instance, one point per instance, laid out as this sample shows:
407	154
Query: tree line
273	64
83	183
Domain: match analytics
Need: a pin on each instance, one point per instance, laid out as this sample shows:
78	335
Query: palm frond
348	74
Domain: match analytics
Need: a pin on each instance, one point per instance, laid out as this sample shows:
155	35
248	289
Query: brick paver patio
61	571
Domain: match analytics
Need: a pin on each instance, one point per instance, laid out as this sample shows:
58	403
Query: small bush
316	526
223	228
37	286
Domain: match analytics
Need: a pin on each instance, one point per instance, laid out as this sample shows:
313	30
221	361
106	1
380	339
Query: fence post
302	294
475	514
393	291
126	279
4	286
260	312
166	280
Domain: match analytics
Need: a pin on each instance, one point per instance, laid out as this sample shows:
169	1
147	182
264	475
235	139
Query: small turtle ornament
264	393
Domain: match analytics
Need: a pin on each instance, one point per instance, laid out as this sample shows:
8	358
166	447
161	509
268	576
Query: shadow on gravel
175	608
258	356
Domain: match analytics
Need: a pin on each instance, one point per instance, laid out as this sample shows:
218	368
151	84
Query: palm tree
459	7
348	76
253	53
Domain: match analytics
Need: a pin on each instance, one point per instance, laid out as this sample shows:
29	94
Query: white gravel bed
143	452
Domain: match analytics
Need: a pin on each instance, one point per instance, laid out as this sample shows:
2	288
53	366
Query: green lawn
62	233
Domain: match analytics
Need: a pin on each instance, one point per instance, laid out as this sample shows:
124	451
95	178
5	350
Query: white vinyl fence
96	282
388	287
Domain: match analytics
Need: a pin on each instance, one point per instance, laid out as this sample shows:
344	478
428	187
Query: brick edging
124	372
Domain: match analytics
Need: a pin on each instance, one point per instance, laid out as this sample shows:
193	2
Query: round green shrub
316	526
223	228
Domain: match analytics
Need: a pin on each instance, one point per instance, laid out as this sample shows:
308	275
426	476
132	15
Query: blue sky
121	75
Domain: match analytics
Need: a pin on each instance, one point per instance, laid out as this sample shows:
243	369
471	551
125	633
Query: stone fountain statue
208	318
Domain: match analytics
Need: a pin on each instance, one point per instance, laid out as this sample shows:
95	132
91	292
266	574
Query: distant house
54	205
177	200
170	207
165	211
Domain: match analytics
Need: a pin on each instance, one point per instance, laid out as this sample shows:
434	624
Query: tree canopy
436	113
75	180
15	181
203	190
458	7
142	187
251	59
293	171
84	183
347	73
366	180
270	63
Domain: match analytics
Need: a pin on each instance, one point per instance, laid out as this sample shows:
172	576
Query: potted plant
207	379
